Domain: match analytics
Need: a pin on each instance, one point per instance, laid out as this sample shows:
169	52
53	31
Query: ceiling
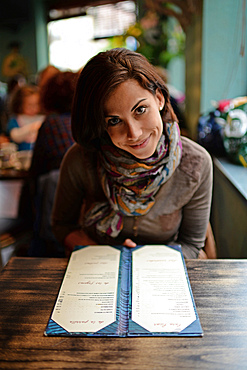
63	4
16	12
13	13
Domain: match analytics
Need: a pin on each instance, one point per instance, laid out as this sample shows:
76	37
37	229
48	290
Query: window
73	41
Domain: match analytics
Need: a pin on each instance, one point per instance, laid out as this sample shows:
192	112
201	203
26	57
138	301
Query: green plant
158	37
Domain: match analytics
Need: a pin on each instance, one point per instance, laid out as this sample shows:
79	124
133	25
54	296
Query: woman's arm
196	213
20	134
70	194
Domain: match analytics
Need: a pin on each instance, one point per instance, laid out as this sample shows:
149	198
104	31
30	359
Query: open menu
120	291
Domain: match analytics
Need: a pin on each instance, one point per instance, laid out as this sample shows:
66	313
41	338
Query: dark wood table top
29	288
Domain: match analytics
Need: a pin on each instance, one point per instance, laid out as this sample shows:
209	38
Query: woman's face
133	119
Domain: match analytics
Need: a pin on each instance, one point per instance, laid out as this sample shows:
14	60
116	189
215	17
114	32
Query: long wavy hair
98	79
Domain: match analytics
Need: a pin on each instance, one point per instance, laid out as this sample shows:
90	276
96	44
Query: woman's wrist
77	237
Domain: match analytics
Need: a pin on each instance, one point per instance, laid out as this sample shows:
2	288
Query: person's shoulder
75	151
58	116
195	159
55	122
51	118
190	146
79	155
79	165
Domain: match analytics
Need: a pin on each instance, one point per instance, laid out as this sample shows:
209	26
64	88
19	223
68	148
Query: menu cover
125	292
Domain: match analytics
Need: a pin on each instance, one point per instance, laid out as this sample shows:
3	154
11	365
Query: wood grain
29	287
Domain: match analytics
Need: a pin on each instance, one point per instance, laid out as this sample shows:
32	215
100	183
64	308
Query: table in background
229	209
11	182
29	287
13	220
13	174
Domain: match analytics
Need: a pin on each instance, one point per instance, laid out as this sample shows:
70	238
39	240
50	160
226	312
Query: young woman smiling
130	178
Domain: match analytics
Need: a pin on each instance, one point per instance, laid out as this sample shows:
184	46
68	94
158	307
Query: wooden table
11	183
13	174
15	209
29	287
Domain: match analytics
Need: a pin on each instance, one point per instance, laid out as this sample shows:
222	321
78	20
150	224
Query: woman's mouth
141	144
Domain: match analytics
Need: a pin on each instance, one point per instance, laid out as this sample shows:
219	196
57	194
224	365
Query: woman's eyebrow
138	104
111	115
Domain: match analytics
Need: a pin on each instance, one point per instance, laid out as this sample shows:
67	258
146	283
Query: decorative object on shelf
224	130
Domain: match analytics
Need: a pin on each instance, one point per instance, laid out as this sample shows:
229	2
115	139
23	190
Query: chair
44	243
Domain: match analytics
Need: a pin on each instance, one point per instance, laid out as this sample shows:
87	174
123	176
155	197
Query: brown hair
100	76
57	93
45	74
18	96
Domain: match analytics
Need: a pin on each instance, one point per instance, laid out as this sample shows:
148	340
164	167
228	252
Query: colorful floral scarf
130	184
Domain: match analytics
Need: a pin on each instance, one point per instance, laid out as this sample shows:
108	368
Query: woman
130	178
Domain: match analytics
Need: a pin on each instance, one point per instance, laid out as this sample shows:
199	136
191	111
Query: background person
13	83
54	139
54	136
45	74
25	119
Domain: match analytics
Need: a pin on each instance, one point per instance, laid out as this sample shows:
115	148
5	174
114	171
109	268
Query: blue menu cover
125	292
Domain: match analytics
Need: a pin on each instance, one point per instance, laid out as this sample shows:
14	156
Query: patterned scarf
130	184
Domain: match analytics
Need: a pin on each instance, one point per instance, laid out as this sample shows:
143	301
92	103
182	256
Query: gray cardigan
180	214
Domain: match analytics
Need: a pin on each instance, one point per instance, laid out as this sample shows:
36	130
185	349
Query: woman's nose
134	130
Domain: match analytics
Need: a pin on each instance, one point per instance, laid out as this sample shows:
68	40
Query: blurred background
200	43
198	47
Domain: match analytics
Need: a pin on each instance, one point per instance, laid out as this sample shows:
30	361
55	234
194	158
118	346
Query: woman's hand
129	243
77	237
202	255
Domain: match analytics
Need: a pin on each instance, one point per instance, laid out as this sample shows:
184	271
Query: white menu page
88	296
161	299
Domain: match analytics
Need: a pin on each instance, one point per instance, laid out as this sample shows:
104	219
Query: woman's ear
160	99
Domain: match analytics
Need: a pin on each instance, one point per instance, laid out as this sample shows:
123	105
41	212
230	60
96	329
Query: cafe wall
30	31
24	34
216	58
39	13
224	51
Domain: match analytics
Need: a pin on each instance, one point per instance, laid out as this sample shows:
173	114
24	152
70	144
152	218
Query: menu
124	292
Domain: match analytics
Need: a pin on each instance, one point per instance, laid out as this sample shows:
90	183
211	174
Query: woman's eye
113	121
141	110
